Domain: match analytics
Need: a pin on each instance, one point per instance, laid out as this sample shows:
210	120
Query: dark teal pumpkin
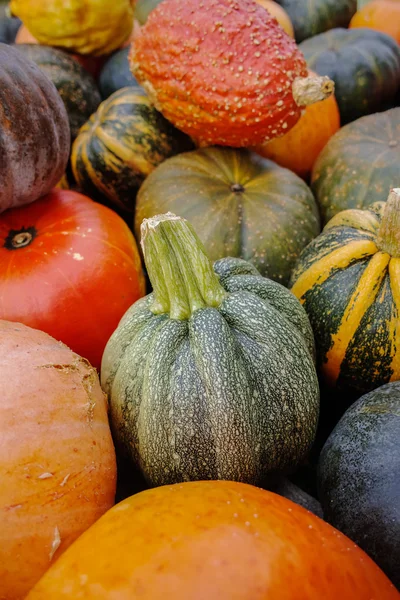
363	63
211	376
359	477
116	74
8	28
143	8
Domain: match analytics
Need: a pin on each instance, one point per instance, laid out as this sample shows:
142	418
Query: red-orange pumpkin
212	540
280	15
226	74
57	460
68	266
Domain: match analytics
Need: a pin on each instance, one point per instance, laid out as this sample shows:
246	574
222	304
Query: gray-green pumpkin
212	375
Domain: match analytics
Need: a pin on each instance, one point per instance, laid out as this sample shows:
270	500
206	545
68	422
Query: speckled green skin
230	393
359	165
268	221
359	477
363	63
116	74
75	85
310	17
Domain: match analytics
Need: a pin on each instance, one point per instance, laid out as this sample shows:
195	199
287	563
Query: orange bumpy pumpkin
280	15
226	74
382	15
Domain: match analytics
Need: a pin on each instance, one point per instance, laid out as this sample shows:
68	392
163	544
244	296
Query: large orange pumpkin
298	149
68	266
280	15
57	460
214	540
382	15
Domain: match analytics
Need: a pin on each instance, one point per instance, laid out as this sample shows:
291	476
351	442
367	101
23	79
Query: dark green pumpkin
120	145
116	74
75	85
143	8
359	164
212	375
239	203
8	28
363	63
359	477
311	18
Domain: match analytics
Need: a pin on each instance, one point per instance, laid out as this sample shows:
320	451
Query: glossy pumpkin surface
359	164
57	459
70	267
239	204
363	63
216	540
35	136
359	471
127	136
348	280
116	74
382	15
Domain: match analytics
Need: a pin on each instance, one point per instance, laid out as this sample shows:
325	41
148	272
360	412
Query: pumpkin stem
388	239
179	269
311	89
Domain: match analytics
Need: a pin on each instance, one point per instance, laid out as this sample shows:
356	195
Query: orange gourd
57	460
280	15
382	15
214	540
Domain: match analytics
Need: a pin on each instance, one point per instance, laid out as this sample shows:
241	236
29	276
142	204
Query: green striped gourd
212	375
348	280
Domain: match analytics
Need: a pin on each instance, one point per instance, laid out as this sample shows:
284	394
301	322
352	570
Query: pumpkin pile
199	299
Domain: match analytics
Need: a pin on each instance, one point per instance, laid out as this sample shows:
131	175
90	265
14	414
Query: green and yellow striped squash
212	375
348	280
120	145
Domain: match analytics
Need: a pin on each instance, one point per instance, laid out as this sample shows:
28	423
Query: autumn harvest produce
358	476
214	540
382	15
8	27
192	375
70	267
116	74
240	205
57	460
348	280
121	145
241	96
359	164
33	125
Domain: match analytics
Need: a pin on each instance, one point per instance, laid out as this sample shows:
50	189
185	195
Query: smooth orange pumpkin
280	15
68	266
298	149
57	459
382	15
214	540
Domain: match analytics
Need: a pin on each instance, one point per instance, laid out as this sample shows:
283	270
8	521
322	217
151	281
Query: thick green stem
179	269
388	239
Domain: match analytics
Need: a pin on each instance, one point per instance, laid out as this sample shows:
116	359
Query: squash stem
311	89
388	239
179	269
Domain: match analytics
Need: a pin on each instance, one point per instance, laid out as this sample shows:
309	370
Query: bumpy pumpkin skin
359	164
239	204
382	15
75	85
363	63
120	145
212	384
359	477
222	74
35	135
350	290
97	27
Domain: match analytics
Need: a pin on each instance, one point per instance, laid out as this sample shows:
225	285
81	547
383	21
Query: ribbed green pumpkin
240	205
116	74
348	280
359	164
75	85
311	18
212	375
363	63
120	145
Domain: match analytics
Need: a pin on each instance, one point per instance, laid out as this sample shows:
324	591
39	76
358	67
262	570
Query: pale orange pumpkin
382	15
280	15
57	460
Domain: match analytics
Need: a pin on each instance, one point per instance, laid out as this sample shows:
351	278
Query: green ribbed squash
359	164
240	205
211	376
363	63
348	280
121	145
